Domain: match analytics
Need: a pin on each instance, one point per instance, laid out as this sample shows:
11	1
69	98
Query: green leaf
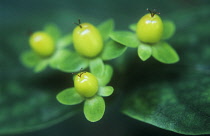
71	62
133	27
94	108
101	71
144	51
107	75
112	50
97	67
58	57
53	30
105	91
126	38
164	53
69	97
168	29
41	66
64	41
105	28
179	105
30	59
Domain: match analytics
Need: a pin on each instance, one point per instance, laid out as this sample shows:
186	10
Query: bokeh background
27	96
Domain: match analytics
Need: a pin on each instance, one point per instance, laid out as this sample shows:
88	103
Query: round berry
86	84
150	28
87	40
42	43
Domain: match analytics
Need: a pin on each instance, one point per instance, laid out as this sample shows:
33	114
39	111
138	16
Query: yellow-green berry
42	43
86	84
87	40
150	28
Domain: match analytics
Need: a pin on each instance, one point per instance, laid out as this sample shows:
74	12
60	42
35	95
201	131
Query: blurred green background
28	99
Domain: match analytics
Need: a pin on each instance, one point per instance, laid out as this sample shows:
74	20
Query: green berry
86	84
150	28
87	40
42	43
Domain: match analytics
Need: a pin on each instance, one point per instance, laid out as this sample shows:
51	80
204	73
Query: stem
79	23
153	12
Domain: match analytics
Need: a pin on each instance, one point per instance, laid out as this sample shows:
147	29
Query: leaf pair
101	71
161	51
111	49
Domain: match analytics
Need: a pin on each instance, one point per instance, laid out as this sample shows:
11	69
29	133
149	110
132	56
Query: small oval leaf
168	29
144	51
53	30
112	50
107	75
57	58
133	27
64	41
164	53
126	38
71	62
105	28
97	67
94	108
41	66
69	97
105	91
30	59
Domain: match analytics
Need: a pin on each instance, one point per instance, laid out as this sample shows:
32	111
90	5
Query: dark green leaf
69	97
97	67
72	62
133	27
105	28
126	38
94	108
32	107
179	105
105	91
112	50
144	51
168	29
164	53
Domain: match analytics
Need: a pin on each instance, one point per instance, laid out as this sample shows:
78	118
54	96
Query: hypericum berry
86	84
42	43
87	40
150	28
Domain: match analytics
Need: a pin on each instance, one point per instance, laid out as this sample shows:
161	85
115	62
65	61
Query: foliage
171	104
